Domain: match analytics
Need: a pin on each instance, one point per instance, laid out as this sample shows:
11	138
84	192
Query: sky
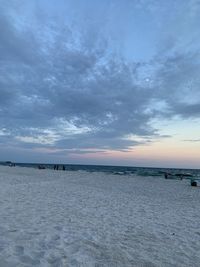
112	82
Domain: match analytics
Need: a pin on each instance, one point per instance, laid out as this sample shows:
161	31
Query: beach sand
57	218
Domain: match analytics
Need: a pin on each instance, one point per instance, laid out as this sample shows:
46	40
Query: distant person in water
56	167
63	167
166	175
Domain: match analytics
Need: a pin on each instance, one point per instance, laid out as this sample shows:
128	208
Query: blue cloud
75	76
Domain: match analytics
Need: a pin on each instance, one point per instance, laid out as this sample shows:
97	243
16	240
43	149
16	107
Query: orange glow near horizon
179	149
168	153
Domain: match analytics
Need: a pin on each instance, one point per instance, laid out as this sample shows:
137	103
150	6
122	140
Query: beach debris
193	178
193	182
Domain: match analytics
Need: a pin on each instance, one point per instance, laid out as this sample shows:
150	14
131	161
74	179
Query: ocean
117	170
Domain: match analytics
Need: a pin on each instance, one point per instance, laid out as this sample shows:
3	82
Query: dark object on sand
193	183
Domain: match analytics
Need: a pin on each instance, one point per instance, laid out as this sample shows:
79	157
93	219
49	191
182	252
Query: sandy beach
56	218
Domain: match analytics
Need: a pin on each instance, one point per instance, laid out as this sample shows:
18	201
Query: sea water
117	170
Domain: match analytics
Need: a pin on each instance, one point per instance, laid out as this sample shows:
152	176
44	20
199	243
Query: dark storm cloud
64	84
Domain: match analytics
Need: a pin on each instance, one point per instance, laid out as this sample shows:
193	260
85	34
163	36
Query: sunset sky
113	82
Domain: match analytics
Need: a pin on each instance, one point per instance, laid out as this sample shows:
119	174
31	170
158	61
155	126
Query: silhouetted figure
166	175
63	167
54	167
41	167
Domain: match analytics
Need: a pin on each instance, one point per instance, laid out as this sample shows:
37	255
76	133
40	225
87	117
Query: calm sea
118	170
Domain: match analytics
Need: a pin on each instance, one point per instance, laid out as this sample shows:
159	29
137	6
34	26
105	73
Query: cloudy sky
100	82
